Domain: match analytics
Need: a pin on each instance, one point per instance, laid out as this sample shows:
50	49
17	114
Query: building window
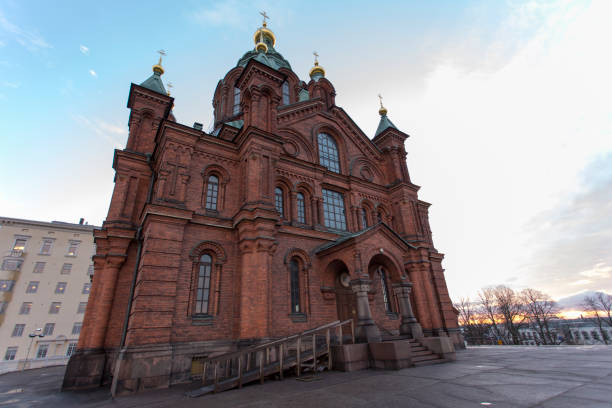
82	307
72	248
585	335
61	288
236	109
25	308
278	200
45	249
32	287
18	330
301	208
364	218
6	285
66	268
595	335
3	306
385	290
39	267
10	354
86	288
19	245
90	270
328	153
294	270
333	210
379	217
49	328
285	89
42	351
55	307
76	329
11	264
212	193
71	349
203	292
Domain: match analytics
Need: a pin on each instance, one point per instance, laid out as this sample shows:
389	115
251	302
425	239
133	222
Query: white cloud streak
104	130
93	73
84	49
29	39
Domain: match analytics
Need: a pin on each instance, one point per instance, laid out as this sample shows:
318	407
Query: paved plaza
496	376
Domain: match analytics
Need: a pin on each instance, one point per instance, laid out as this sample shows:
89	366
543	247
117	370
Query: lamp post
35	333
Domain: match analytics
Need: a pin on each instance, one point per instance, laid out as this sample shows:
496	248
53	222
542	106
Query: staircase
422	356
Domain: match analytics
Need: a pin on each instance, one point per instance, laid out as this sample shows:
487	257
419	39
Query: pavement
493	376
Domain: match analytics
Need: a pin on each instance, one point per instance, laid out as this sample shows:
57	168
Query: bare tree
511	309
489	309
540	309
599	306
472	320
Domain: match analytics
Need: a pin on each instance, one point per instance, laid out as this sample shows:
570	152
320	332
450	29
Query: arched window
278	200
364	218
379	216
328	153
294	271
301	208
212	193
385	290
236	108
285	89
203	291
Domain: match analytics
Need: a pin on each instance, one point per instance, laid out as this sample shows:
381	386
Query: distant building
45	279
570	331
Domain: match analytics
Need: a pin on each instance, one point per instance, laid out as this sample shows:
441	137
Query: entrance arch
346	305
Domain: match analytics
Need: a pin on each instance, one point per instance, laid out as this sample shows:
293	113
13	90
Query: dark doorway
345	298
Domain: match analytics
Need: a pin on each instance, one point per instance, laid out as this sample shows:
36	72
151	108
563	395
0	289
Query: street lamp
35	333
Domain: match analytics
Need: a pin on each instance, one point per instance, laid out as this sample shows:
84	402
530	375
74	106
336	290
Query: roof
155	84
384	124
271	58
347	237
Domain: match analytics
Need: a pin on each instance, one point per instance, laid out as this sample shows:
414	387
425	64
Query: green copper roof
384	124
303	95
270	58
155	84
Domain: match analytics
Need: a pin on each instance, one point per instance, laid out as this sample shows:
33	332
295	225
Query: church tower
286	216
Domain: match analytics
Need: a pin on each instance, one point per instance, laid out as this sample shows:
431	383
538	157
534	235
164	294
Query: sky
507	104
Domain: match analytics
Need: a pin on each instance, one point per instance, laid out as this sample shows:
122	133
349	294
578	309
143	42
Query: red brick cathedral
284	217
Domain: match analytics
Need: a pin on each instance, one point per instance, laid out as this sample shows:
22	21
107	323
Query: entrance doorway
345	298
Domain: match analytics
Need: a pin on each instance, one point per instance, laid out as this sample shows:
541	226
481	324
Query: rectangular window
42	351
285	89
71	349
55	307
86	288
25	308
90	270
11	264
45	249
19	245
82	307
3	306
333	210
18	330
49	328
66	268
61	288
76	329
10	354
301	208
72	248
39	267
32	287
236	109
6	285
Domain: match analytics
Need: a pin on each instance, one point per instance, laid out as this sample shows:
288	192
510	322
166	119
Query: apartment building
45	279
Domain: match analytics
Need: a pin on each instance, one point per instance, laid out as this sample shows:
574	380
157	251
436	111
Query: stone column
314	216
409	325
434	308
366	330
293	207
420	298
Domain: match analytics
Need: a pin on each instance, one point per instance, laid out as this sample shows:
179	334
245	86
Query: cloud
84	49
93	73
29	39
599	271
13	85
105	130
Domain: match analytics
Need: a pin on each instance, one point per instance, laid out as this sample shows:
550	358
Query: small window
25	309
328	153
10	354
55	307
42	351
86	288
6	285
45	249
72	248
66	268
285	89
333	210
90	270
379	217
212	193
595	335
18	330
585	335
76	328
301	208
82	307
61	288
32	287
3	306
203	291
294	270
364	218
19	245
71	349
236	108
49	328
278	200
39	267
385	290
11	264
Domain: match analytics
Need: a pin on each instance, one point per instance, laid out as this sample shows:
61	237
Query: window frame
18	330
212	191
201	290
66	268
23	310
32	287
76	328
55	307
236	101
301	207
279	198
329	152
331	198
42	347
45	242
285	93
295	287
60	288
10	353
51	327
36	266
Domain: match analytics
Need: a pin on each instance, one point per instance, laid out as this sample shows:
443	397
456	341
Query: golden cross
265	16
380	97
169	85
162	53
316	55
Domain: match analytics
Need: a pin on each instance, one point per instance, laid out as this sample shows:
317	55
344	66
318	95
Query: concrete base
391	355
138	369
85	370
457	339
350	357
442	346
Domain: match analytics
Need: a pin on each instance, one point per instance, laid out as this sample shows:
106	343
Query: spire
317	71
154	82
385	122
264	38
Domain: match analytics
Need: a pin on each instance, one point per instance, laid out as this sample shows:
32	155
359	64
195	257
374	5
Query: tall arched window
301	208
203	291
385	290
285	89
364	218
236	108
328	153
212	193
294	271
278	200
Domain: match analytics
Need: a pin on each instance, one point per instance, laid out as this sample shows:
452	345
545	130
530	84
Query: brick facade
158	227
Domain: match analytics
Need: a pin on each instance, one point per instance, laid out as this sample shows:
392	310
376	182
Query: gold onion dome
259	37
382	111
317	70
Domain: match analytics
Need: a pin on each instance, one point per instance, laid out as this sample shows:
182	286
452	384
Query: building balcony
15	254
